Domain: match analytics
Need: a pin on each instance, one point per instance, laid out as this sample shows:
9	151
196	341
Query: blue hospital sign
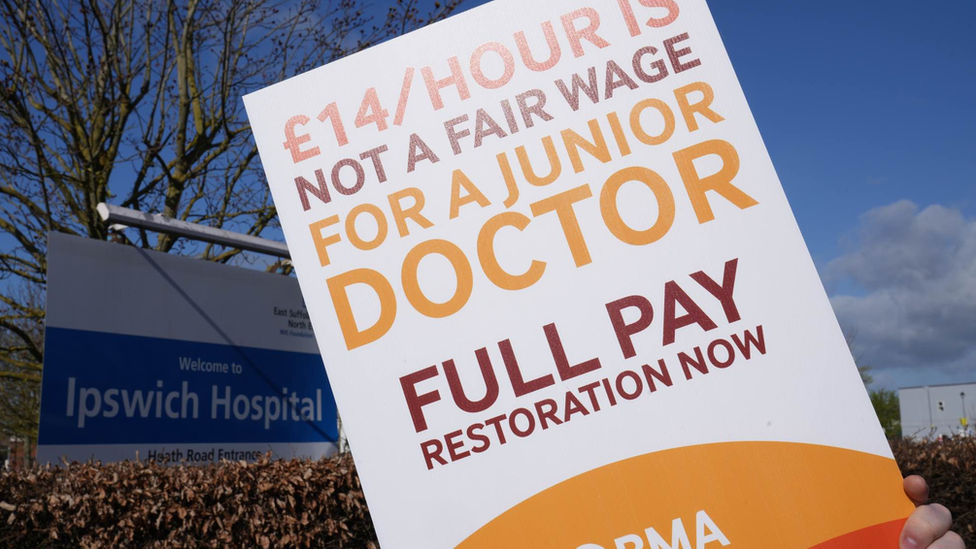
159	356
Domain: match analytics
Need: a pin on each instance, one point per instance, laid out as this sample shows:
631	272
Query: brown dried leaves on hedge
949	467
290	503
265	504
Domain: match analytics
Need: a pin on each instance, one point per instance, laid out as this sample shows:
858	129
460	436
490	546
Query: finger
927	524
917	489
949	541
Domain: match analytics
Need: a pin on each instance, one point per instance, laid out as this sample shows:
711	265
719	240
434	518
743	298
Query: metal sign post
176	227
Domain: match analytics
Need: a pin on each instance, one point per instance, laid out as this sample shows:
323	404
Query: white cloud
915	318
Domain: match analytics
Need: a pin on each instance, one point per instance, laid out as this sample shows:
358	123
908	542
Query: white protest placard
560	294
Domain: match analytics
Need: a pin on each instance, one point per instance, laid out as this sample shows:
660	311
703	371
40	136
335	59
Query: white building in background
938	410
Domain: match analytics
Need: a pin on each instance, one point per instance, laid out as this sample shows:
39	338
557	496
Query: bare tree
20	386
137	103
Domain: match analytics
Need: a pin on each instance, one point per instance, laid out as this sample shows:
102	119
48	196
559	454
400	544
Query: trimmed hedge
290	503
271	503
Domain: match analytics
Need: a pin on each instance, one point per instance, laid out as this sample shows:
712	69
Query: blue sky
868	109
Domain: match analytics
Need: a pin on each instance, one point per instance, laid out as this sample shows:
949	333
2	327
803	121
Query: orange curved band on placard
880	536
760	495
